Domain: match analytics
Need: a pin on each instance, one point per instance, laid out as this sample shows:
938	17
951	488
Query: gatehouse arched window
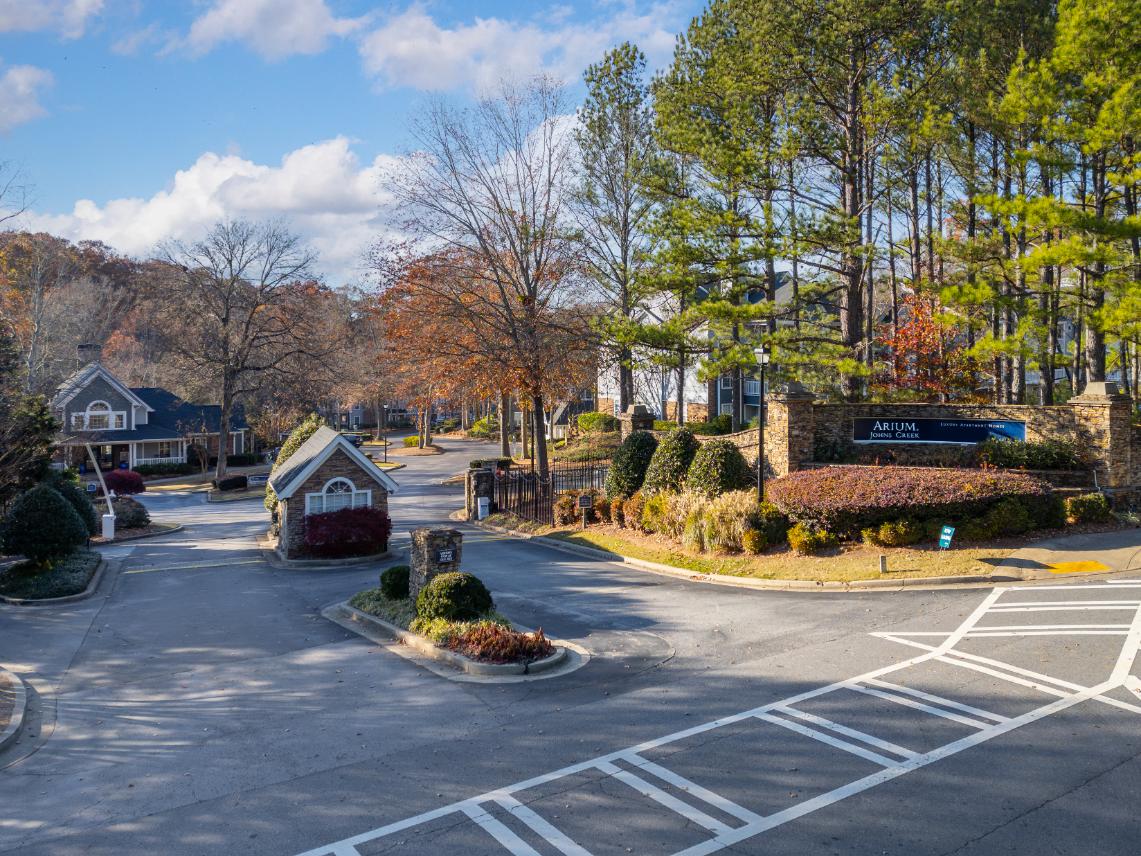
337	493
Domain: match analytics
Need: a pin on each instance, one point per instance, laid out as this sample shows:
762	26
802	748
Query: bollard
883	564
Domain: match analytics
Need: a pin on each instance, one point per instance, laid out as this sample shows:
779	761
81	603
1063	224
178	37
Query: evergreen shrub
81	502
411	442
808	540
617	515
597	421
629	464
42	526
1032	455
455	596
130	513
1088	508
754	542
718	467
894	533
671	461
394	582
293	442
655	513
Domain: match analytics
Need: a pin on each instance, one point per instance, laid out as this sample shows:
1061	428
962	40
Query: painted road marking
220	565
784	714
866	754
1080	567
829	725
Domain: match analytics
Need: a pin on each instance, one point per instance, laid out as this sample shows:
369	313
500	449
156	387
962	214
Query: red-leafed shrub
846	499
493	643
124	482
348	532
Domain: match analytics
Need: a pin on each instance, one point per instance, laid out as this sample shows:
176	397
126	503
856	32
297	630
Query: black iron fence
526	495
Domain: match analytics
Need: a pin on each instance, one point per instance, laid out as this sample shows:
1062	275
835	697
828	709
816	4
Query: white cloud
322	191
68	17
411	49
20	90
274	29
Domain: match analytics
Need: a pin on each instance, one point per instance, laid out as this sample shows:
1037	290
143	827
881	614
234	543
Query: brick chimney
87	353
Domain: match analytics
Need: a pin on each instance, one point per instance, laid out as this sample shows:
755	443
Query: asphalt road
200	705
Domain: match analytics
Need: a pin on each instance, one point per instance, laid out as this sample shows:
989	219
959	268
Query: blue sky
135	121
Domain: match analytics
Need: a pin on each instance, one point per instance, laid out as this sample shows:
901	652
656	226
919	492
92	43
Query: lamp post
384	431
762	360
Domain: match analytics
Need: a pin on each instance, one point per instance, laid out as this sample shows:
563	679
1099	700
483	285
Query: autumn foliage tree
924	355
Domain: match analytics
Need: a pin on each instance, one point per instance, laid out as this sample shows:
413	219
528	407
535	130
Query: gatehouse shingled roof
314	452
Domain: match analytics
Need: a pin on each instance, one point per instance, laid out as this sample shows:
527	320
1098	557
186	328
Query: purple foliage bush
124	482
348	532
845	499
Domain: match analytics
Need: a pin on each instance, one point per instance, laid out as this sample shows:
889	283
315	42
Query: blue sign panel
953	431
945	536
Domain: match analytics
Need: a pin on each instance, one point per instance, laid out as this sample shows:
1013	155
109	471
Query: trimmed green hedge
597	421
42	526
671	461
718	467
629	464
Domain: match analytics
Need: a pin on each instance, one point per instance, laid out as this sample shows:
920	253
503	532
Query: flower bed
846	499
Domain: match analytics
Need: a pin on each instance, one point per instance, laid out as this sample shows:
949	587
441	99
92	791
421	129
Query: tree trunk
224	424
625	380
505	418
540	437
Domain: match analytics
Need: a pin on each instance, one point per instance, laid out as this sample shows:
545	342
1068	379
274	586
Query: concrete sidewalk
1095	552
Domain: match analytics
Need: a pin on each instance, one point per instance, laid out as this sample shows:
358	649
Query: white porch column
130	456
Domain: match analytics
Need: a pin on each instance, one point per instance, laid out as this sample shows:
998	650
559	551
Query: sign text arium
952	431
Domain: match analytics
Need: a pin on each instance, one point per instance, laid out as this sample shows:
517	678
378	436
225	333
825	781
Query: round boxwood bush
718	467
130	513
455	596
629	465
79	500
671	461
42	526
394	582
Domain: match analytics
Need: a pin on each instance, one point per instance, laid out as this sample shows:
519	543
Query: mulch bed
70	575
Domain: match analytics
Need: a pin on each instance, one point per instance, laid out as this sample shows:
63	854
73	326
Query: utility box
482	507
109	527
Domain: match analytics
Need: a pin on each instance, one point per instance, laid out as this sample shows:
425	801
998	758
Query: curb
221	499
92	585
747	582
177	527
272	558
19	708
427	648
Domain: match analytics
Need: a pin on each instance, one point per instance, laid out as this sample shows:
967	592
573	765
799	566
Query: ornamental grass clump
629	464
845	500
718	467
681	507
671	461
728	517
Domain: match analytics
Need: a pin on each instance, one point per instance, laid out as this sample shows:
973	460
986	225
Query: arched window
98	416
337	493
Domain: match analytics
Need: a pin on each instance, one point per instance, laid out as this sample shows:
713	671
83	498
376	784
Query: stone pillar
636	418
434	551
789	429
1103	425
477	483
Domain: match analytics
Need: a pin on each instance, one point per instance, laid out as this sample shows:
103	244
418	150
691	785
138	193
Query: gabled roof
79	381
313	453
142	433
169	410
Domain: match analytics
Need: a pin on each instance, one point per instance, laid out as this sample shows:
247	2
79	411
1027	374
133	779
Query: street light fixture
384	433
762	356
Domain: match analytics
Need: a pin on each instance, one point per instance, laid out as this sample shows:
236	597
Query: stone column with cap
636	418
1103	424
790	428
434	552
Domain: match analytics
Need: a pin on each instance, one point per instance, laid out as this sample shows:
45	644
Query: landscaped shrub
845	500
411	442
681	507
246	459
617	511
671	461
42	526
976	529
632	511
601	508
79	500
394	582
597	422
484	428
347	532
124	482
130	513
693	530
1010	517
808	540
894	533
629	464
721	424
172	469
293	442
1088	508
773	523
454	596
754	542
231	483
1032	455
728	517
664	425
489	642
565	510
655	512
718	467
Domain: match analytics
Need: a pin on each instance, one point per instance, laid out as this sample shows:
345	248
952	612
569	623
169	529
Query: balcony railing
150	462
